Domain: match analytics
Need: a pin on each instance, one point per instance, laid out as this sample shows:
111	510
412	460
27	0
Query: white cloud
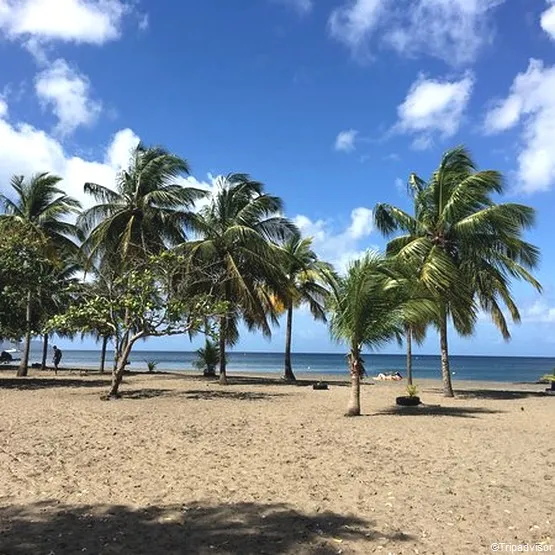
355	21
345	140
80	21
3	108
539	312
68	93
433	107
530	103
452	30
339	246
27	150
361	223
301	6
548	19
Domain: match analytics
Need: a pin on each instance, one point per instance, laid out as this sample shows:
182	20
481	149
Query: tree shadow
258	380
500	394
436	410
146	393
241	528
43	383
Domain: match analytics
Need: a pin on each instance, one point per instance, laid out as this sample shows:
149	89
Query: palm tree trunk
409	356
288	368
103	353
24	364
223	338
44	351
445	370
353	408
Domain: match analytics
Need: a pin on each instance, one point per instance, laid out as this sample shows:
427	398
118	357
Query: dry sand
183	465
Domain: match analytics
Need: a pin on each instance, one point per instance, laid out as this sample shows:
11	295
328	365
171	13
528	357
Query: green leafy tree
147	211
307	281
42	205
467	248
235	247
145	302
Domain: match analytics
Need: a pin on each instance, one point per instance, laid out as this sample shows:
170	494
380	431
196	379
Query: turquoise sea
509	369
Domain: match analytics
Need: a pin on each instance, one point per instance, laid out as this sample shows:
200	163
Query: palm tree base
352	412
223	379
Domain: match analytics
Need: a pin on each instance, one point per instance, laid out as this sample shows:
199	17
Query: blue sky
331	103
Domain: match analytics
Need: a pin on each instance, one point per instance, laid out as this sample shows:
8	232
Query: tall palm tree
465	246
364	312
39	202
307	280
234	255
147	211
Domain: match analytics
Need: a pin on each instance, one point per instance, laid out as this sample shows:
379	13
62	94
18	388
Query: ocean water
506	369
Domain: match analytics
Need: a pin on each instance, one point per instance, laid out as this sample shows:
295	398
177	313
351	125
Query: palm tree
208	358
147	211
306	280
410	290
235	258
364	312
465	246
42	204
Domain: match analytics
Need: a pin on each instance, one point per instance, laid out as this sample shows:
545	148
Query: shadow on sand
242	528
42	383
436	410
198	394
497	394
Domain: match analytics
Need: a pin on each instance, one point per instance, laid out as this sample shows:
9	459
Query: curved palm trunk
445	370
223	361
24	364
44	351
353	408
103	354
288	367
409	356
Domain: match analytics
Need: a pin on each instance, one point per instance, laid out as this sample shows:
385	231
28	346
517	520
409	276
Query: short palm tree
465	246
364	312
147	210
307	280
235	257
410	290
42	204
208	358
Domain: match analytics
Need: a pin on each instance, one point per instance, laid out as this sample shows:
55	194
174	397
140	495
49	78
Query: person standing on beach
57	358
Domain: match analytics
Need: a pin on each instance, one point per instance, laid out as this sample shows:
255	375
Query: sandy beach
183	465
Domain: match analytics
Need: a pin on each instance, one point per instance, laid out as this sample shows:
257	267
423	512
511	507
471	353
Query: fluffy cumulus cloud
539	312
27	150
339	246
547	20
530	106
433	107
80	21
460	27
67	92
345	140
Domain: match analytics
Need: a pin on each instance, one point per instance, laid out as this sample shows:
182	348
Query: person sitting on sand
6	357
56	358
